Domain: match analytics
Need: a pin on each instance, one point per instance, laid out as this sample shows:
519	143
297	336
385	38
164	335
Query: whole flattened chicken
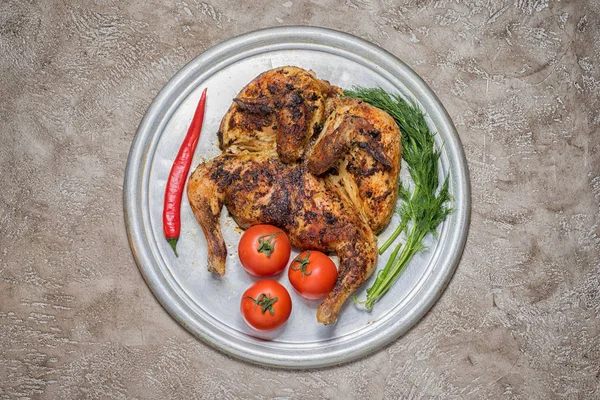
321	167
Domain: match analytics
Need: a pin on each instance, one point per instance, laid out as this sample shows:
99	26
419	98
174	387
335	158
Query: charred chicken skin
321	167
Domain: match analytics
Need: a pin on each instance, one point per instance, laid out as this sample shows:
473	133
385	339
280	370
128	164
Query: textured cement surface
520	319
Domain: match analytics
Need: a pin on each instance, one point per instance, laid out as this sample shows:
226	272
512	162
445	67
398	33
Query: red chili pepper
178	175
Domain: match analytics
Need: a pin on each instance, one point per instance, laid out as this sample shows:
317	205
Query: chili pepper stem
173	243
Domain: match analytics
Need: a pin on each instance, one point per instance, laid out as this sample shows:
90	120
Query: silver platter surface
208	306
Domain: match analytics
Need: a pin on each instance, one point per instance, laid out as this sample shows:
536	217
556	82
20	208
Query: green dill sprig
421	210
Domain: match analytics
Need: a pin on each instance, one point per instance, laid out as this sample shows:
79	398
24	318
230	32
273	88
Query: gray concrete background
520	319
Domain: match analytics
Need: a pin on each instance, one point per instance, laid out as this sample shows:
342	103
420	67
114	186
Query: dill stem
394	235
402	226
388	278
388	265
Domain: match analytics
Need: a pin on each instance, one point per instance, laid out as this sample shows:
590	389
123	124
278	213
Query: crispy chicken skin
321	167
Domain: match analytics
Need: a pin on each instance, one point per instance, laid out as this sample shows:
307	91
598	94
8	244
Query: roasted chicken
321	167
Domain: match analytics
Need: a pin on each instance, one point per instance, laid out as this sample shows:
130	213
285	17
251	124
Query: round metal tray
208	306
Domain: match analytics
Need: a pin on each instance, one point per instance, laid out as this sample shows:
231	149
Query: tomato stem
303	264
267	246
265	302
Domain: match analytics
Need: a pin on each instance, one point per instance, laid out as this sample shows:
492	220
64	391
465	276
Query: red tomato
312	274
264	250
266	305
